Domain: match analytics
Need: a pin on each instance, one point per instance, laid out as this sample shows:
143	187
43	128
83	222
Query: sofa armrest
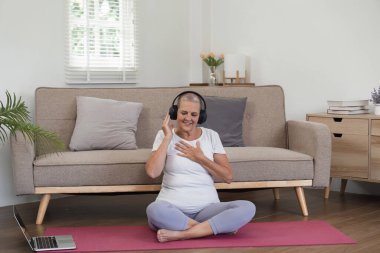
23	154
313	139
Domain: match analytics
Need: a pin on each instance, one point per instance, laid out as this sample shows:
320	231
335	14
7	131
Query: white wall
199	38
32	55
317	50
31	49
164	42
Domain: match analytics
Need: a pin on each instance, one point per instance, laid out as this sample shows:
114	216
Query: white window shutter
100	41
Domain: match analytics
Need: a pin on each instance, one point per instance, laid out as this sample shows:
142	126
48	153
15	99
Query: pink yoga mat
257	234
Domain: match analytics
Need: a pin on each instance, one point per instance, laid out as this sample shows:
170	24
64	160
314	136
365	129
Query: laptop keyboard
46	242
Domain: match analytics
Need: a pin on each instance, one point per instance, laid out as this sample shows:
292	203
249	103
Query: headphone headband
173	110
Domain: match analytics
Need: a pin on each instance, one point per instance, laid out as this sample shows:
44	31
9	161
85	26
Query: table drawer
344	125
375	127
375	158
349	155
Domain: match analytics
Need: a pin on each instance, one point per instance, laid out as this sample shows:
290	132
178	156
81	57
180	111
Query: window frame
90	67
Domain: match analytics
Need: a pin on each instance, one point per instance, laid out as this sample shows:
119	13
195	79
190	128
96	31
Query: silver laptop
44	243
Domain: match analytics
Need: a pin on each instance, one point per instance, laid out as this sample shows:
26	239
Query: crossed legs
218	218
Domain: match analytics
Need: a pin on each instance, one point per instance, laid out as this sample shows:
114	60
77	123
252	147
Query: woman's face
188	115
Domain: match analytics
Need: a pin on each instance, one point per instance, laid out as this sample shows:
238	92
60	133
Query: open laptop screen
22	226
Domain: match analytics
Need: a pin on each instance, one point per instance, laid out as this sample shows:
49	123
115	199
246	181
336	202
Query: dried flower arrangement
211	60
375	96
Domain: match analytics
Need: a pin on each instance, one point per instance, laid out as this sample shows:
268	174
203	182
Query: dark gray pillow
225	116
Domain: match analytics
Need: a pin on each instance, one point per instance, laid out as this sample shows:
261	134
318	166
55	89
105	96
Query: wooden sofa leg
42	209
276	193
327	189
343	185
301	200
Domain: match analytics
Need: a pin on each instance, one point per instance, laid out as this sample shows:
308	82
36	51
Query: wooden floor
358	216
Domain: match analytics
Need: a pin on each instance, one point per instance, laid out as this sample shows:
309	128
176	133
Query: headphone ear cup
173	112
202	117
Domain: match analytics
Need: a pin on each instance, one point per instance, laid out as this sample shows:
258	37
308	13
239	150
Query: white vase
377	109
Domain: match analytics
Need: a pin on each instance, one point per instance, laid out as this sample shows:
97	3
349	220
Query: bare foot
164	235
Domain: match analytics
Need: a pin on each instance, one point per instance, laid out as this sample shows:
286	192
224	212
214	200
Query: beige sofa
278	153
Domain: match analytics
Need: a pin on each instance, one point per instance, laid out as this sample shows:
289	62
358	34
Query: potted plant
14	116
375	98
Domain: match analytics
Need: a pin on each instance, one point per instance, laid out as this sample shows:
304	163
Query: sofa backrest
263	125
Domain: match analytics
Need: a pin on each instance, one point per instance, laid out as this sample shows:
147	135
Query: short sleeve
217	145
158	140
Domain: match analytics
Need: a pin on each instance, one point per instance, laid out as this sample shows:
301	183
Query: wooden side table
355	147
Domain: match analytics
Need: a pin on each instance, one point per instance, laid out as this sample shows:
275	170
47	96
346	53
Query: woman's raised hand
167	127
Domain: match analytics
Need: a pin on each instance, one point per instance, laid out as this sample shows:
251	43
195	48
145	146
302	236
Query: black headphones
173	110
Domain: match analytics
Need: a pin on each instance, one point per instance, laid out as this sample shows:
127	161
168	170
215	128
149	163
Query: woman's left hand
193	153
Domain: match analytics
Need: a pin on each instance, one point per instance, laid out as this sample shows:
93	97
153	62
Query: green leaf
14	116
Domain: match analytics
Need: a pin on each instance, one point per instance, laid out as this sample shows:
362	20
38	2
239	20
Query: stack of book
348	107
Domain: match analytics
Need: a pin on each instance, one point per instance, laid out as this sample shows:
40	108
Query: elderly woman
190	157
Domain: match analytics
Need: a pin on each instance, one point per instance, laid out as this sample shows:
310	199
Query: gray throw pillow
225	116
105	124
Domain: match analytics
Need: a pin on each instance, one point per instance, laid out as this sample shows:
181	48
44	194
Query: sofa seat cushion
269	164
94	157
120	167
97	167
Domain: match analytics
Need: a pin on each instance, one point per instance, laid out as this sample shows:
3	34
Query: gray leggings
223	217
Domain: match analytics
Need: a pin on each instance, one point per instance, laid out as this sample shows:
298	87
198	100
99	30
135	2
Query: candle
233	63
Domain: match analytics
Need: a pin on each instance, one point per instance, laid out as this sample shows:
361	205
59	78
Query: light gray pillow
225	116
105	124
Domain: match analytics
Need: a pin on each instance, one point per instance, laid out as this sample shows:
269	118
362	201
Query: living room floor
358	216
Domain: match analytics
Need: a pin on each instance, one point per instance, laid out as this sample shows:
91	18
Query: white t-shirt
186	184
